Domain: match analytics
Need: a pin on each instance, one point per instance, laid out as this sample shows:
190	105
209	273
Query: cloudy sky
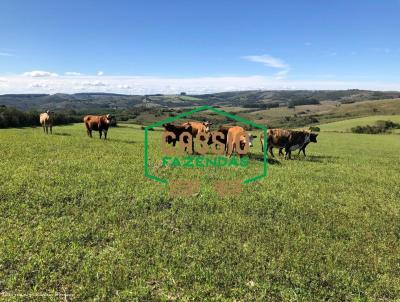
140	47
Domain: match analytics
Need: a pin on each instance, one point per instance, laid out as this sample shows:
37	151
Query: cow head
207	124
251	138
313	137
243	139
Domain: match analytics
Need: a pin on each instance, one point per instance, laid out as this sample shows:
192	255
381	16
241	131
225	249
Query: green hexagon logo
188	113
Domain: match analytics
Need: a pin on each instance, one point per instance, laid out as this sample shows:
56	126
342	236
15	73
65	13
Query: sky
141	47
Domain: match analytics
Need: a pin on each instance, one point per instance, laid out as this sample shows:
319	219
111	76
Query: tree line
11	117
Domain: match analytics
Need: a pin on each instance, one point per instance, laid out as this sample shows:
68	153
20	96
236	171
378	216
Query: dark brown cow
313	139
289	140
177	130
99	123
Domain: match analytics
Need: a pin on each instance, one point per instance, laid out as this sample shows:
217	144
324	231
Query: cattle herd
234	138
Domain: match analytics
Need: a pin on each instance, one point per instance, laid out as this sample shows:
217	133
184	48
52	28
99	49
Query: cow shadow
316	158
62	134
260	157
124	141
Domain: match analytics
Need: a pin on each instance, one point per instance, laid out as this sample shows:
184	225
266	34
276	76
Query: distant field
77	216
346	125
325	112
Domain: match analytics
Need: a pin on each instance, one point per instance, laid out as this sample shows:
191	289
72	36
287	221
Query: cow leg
105	134
51	129
47	129
304	151
232	149
288	153
270	151
44	130
100	133
280	152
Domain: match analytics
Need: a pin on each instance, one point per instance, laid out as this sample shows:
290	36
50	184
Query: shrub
379	127
314	129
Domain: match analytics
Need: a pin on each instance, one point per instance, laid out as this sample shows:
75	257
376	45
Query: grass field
79	217
346	125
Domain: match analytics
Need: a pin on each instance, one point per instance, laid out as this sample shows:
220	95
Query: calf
46	120
99	123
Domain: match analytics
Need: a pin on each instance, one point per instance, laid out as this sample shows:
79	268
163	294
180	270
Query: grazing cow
289	140
224	131
313	139
177	130
99	123
238	134
198	127
46	120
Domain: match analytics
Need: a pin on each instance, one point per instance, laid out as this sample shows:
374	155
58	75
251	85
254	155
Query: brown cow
237	134
99	123
46	120
198	127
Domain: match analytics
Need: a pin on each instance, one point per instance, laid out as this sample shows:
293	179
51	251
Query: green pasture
78	218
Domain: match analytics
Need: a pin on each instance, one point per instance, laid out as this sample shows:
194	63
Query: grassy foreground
78	217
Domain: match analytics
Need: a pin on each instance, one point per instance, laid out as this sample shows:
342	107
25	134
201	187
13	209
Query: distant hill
248	99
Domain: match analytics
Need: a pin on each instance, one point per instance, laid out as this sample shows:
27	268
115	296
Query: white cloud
168	85
72	73
330	53
6	54
100	73
267	60
125	86
272	62
38	85
282	74
382	49
40	74
95	84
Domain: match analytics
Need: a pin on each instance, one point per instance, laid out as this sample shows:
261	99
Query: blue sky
163	46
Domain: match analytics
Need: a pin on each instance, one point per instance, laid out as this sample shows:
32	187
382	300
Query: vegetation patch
378	128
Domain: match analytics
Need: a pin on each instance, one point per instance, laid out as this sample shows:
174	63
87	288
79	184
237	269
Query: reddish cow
99	123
